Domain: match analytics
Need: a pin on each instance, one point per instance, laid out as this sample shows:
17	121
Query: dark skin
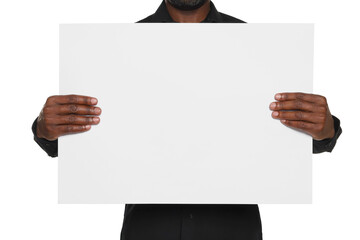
69	114
191	16
305	112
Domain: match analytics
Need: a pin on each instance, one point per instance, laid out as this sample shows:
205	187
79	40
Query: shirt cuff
50	147
328	144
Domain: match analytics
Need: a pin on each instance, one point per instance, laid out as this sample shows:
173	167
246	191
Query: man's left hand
305	112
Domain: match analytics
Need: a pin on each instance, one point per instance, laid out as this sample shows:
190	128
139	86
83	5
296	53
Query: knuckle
73	98
322	110
300	96
49	99
73	108
323	100
298	104
71	119
69	129
299	115
46	121
322	118
46	110
320	128
48	128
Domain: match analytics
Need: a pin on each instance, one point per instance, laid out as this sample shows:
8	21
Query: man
74	114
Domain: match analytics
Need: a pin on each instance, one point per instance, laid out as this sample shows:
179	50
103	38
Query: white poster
185	113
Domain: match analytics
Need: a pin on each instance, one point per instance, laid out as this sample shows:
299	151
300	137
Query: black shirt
192	221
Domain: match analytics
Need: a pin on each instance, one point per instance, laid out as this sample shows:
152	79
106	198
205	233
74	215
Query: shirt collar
162	14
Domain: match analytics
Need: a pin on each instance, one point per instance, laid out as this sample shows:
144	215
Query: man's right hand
67	114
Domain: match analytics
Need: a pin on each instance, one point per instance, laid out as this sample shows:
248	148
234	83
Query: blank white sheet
186	114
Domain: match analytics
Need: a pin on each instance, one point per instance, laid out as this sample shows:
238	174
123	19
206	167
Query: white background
29	73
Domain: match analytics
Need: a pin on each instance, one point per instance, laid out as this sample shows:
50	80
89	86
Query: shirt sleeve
50	147
327	145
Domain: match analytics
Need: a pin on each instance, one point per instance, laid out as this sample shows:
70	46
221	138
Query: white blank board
185	113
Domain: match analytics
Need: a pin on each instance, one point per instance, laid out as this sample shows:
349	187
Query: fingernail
278	96
97	110
283	120
273	105
87	127
96	119
275	114
93	101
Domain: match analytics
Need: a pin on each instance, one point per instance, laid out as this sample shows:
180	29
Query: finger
298	116
73	99
73	119
299	96
68	129
292	105
77	109
301	125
